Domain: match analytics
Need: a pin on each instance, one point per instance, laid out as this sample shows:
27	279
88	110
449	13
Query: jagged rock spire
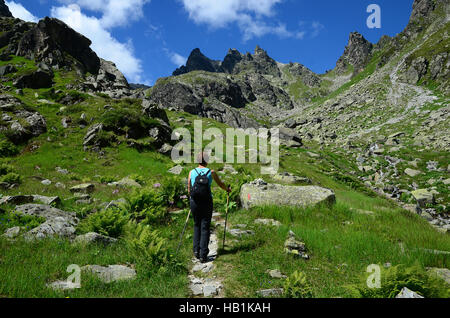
356	54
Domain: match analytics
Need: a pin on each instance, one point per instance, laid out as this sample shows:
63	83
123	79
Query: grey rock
176	170
46	200
63	285
61	171
295	247
111	273
16	199
275	273
268	222
443	273
270	292
46	182
12	232
407	293
83	188
412	173
126	183
93	237
240	233
209	290
58	222
260	194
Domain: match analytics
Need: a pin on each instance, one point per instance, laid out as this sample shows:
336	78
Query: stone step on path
210	286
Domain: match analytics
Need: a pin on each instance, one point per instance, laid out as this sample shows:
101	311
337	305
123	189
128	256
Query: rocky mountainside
382	106
4	10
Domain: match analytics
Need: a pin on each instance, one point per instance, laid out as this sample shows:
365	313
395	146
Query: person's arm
189	184
219	182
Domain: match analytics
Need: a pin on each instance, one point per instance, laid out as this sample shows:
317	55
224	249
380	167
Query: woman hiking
201	203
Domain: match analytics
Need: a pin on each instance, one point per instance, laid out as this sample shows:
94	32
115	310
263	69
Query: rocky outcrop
58	223
18	122
4	10
260	193
356	54
50	39
308	77
35	80
205	95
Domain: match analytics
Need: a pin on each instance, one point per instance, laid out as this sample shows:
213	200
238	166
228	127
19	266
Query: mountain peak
4	10
197	61
356	54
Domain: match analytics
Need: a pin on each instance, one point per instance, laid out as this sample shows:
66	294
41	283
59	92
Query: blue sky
148	39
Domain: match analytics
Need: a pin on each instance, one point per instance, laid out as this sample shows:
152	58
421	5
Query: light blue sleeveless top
194	175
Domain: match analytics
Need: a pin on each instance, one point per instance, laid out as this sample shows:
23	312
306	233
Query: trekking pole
226	219
182	234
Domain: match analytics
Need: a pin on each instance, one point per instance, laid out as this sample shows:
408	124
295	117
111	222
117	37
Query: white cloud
103	43
250	15
317	28
18	11
177	59
114	12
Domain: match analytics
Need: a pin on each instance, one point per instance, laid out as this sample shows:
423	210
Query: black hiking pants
202	213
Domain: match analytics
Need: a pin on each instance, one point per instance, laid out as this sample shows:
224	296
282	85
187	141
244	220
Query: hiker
199	189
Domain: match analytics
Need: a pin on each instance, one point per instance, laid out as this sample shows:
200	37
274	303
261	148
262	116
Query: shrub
107	179
11	178
7	149
394	278
9	219
297	286
138	178
147	205
110	222
174	192
5	169
147	244
137	125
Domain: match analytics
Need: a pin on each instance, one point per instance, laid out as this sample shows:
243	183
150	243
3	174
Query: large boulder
109	75
35	80
58	223
21	124
260	193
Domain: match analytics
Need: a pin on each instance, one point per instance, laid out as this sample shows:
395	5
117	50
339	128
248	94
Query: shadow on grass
241	247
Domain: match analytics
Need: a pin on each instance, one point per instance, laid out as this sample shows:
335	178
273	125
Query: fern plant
297	286
110	222
395	278
146	243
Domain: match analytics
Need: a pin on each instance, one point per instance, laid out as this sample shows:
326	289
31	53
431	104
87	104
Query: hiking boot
204	260
197	255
